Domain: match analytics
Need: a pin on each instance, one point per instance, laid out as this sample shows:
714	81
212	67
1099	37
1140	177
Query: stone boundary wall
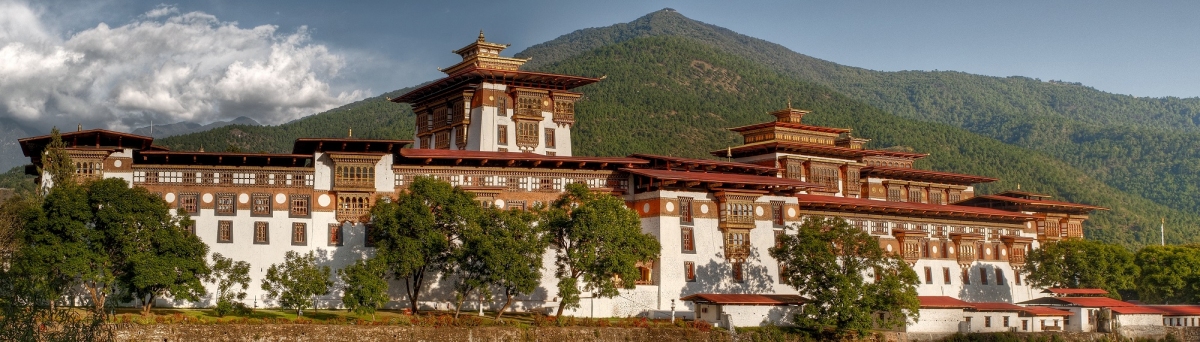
353	333
1185	333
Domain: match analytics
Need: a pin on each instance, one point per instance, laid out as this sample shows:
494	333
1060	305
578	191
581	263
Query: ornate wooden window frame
299	234
225	204
262	233
299	206
261	205
224	231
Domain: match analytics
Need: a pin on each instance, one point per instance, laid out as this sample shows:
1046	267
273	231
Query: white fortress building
505	135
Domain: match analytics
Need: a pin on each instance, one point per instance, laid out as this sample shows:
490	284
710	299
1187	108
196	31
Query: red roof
862	204
1064	291
527	159
795	147
789	125
33	146
471	74
923	175
1177	310
221	158
688	164
1094	302
715	177
943	302
745	299
1042	202
310	145
1034	311
1136	310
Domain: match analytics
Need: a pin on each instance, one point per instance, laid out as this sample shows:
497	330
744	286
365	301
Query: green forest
674	85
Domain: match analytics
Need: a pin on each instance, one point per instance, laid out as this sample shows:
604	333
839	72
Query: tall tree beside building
1169	274
418	235
506	253
366	288
296	281
232	279
847	276
56	163
150	251
1078	263
599	244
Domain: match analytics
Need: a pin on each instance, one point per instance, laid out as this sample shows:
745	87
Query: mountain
10	150
674	85
1149	147
163	131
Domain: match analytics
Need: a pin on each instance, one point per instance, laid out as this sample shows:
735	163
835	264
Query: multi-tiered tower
487	104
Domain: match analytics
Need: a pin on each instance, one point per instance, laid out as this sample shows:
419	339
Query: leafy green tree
506	253
1169	274
1079	263
600	242
56	163
232	279
295	282
151	254
366	287
61	250
829	261
419	234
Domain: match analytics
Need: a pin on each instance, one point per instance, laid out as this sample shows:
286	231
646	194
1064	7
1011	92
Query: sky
120	64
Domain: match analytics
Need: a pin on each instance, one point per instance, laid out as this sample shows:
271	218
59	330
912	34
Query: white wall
936	321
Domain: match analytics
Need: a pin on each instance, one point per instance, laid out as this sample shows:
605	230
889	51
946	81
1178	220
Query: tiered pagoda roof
923	175
849	204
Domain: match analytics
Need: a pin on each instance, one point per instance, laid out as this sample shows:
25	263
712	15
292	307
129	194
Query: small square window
262	236
685	210
689	271
190	203
687	240
335	235
299	234
260	205
300	206
226	204
190	228
225	231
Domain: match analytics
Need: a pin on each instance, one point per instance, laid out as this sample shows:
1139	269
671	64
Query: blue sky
352	49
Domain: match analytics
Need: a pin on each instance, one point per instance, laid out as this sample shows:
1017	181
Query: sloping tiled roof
1044	311
790	125
1136	310
1034	311
474	74
526	159
1177	310
745	299
795	147
672	163
862	204
715	177
1040	202
1068	292
923	175
943	302
1090	302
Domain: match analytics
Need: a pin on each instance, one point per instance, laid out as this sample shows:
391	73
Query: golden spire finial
80	128
1018	186
480	35
350	134
789	102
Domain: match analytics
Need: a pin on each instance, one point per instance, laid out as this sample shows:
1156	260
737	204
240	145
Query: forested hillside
1144	146
675	92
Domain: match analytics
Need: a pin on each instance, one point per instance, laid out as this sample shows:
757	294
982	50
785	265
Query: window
442	140
1017	277
987	321
502	105
928	275
1005	321
190	228
189	203
550	143
966	277
737	244
645	275
502	135
999	277
354	175
826	176
946	275
914	195
299	234
983	276
783	271
935	197
261	235
688	239
685	210
925	250
689	271
335	235
226	204
369	239
777	212
527	133
1025	325
260	205
518	205
225	231
300	206
353	206
779	238
737	272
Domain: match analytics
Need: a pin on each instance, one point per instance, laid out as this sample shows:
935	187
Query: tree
600	242
833	263
295	282
149	250
57	163
506	253
366	288
418	235
61	249
1169	274
1078	263
232	279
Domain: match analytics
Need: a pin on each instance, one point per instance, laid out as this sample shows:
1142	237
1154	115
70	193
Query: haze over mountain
173	129
675	84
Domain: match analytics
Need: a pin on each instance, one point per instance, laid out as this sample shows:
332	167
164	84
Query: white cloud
166	66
